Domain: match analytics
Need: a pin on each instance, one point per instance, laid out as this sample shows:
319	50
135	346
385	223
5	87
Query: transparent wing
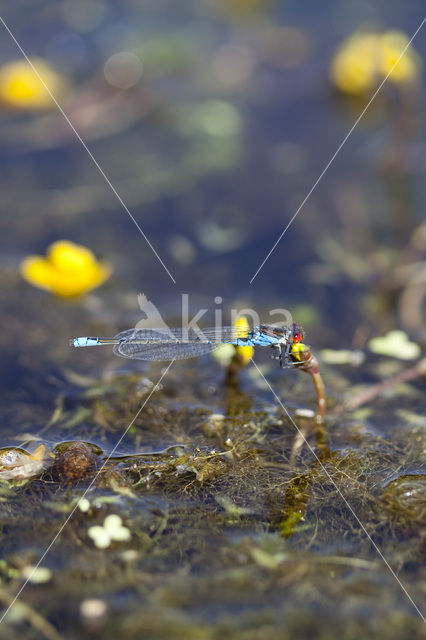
161	350
210	335
177	344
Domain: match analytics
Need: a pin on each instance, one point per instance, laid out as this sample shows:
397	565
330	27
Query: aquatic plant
112	530
68	269
396	344
231	355
364	59
21	88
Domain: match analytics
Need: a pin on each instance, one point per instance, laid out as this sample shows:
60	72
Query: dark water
230	537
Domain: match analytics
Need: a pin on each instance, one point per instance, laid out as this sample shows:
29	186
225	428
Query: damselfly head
297	334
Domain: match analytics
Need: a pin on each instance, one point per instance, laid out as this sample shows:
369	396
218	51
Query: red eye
297	335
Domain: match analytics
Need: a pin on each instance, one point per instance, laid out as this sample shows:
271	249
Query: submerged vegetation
216	499
218	516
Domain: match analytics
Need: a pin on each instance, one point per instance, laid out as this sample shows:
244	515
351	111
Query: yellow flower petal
74	284
69	269
68	257
242	326
225	353
365	58
354	67
37	271
21	88
408	68
246	353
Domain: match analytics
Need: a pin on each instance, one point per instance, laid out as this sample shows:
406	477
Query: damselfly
177	344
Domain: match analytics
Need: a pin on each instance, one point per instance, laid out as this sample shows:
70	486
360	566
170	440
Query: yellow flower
67	270
242	326
353	68
366	58
21	88
392	44
226	353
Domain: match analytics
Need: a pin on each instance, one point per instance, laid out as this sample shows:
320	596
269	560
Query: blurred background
212	119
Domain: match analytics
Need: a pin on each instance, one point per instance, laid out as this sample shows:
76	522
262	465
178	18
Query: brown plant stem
33	617
309	363
306	361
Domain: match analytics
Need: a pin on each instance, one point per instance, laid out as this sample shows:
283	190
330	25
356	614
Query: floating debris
342	356
76	461
405	498
17	464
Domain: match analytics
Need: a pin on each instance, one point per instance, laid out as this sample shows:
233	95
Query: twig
308	362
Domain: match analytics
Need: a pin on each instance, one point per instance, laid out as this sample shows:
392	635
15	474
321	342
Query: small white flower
112	530
84	505
100	536
114	525
93	608
36	575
